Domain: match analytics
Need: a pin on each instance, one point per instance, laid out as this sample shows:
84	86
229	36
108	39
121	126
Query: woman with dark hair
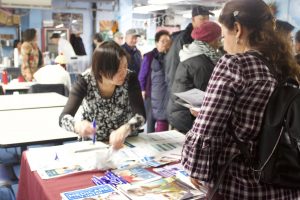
236	97
31	56
153	62
109	94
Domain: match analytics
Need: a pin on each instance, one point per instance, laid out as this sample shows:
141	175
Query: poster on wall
72	21
108	28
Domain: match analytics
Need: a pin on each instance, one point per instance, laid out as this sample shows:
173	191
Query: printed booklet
61	171
191	99
162	189
97	192
136	175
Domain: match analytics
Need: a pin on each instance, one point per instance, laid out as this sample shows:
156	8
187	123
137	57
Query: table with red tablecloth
32	187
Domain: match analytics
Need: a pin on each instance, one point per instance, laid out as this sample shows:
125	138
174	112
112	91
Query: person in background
54	74
17	53
135	60
235	100
119	38
63	46
109	94
97	40
162	45
159	95
197	61
199	15
77	43
30	54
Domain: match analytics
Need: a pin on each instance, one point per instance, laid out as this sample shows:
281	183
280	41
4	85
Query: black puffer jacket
192	73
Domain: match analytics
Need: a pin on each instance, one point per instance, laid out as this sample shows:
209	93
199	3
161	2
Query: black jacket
192	73
172	57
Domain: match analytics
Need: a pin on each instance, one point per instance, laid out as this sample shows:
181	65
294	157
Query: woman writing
109	94
236	97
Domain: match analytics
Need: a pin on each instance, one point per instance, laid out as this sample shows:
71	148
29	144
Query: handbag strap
221	177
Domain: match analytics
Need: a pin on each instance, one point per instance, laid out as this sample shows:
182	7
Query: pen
94	126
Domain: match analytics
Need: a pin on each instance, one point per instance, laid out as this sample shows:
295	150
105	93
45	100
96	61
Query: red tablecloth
32	187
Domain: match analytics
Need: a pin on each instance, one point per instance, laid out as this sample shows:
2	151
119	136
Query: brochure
168	170
191	99
108	178
136	175
184	177
97	192
62	171
162	189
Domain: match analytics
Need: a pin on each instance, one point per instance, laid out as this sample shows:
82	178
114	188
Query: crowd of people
225	59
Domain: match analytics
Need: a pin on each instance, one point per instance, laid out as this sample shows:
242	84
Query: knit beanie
207	32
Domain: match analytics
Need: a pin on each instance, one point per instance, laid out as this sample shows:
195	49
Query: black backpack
278	155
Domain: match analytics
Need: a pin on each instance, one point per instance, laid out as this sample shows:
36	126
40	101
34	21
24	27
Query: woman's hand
144	95
194	112
84	128
117	137
197	183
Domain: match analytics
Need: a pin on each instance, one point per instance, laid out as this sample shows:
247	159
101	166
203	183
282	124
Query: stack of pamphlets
96	192
136	175
162	189
168	170
109	178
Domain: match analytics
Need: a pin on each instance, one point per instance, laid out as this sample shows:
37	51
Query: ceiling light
59	26
163	1
149	8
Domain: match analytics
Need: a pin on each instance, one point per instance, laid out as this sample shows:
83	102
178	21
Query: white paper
193	97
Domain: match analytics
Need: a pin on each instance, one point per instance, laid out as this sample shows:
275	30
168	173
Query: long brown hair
256	16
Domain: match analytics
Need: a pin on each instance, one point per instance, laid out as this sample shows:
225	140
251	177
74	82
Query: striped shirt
236	97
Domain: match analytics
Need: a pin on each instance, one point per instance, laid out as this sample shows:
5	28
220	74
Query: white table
29	101
17	86
32	126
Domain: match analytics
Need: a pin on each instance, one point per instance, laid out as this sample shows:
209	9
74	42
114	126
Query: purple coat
145	72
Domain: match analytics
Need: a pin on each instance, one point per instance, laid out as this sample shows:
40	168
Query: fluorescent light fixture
187	15
217	12
149	8
59	26
74	21
163	1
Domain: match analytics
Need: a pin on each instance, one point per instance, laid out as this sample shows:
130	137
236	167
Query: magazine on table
136	175
184	177
191	99
61	171
96	192
162	189
168	170
108	178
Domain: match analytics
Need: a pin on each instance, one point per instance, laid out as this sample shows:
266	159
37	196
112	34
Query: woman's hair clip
236	13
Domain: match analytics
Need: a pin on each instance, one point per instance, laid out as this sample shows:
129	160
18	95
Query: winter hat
200	10
207	32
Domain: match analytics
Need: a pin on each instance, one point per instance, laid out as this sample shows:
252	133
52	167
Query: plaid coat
236	97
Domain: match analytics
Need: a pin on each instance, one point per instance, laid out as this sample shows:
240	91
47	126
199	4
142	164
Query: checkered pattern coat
236	97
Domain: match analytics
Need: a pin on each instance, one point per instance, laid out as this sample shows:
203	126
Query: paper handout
190	98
